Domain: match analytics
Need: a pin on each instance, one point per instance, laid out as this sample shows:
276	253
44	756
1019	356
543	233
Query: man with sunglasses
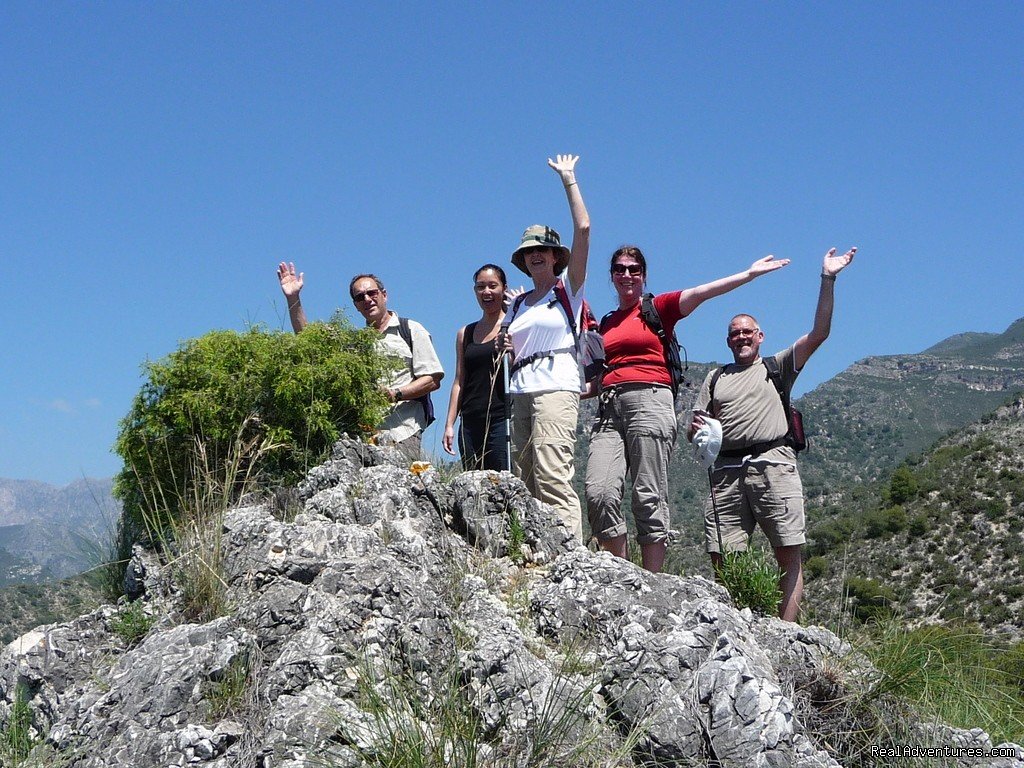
420	375
755	477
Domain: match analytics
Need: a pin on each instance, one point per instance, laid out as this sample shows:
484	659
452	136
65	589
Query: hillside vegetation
943	538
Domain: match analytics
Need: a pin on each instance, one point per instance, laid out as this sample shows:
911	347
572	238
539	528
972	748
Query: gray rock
370	603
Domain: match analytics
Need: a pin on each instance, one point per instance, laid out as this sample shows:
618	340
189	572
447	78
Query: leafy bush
869	599
879	522
132	623
752	578
903	486
815	567
294	393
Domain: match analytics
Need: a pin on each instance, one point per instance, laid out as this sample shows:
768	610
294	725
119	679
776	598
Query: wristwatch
398	394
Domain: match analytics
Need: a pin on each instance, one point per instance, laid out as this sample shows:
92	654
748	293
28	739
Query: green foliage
132	623
227	693
815	567
17	738
950	673
880	522
295	392
752	578
903	485
516	537
869	599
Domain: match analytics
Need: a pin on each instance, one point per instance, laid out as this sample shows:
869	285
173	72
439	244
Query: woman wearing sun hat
544	383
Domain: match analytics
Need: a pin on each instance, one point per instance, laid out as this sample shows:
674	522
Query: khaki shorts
770	495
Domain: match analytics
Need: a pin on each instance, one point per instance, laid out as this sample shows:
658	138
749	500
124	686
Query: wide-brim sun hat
539	236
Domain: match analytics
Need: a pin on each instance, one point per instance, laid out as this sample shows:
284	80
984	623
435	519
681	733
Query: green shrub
815	567
752	578
869	599
132	623
880	522
292	395
17	737
903	485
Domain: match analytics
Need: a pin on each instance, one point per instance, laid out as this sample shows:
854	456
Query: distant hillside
882	409
945	538
49	533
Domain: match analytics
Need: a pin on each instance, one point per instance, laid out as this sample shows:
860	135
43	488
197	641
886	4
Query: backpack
795	437
676	363
424	400
588	346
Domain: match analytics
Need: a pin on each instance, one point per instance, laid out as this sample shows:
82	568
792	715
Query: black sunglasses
622	269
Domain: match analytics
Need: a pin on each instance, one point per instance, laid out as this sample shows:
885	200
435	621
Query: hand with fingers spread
291	283
510	296
565	167
833	265
766	265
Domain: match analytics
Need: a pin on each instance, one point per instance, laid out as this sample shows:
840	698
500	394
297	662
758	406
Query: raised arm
453	400
291	286
692	298
565	167
808	343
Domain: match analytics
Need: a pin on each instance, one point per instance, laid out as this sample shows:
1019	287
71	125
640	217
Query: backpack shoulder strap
563	298
650	315
772	365
405	332
517	302
711	388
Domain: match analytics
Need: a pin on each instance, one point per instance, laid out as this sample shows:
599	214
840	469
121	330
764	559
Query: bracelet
828	277
571	184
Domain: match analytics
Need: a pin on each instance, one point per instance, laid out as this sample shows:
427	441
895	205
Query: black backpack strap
405	332
772	365
650	315
711	389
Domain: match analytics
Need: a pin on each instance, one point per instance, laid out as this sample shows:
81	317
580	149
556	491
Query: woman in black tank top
478	392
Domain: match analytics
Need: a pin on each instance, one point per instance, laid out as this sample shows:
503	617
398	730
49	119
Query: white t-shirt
542	328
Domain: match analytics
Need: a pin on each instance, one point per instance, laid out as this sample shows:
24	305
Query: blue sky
157	160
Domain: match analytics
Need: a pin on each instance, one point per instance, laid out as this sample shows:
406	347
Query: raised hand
766	265
510	296
291	283
565	167
833	265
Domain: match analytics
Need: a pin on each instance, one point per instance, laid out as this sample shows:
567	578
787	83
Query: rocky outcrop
374	610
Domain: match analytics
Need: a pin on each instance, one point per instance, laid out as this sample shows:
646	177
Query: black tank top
480	369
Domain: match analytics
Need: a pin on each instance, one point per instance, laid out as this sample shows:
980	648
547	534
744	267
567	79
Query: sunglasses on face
736	333
630	269
359	298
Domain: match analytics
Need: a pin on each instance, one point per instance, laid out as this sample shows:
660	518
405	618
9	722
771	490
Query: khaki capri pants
636	432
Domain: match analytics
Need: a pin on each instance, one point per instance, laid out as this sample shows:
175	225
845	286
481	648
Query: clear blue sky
158	159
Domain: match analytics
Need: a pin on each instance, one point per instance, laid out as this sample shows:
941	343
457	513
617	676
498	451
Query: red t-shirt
627	339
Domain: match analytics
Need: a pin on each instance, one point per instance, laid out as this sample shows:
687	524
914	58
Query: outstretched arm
291	286
565	167
808	343
692	298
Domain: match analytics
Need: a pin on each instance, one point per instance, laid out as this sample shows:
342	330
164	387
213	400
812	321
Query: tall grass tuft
17	738
752	578
190	538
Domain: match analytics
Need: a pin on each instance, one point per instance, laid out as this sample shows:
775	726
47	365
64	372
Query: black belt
755	449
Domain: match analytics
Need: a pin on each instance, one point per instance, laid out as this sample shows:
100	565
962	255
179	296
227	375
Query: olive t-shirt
749	407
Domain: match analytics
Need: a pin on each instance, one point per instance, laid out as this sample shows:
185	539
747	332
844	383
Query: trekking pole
508	412
714	507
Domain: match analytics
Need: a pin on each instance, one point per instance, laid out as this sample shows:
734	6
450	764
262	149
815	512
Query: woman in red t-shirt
636	422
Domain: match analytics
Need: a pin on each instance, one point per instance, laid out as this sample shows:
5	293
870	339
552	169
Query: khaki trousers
543	450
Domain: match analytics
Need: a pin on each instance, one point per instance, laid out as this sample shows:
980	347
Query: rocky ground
380	617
